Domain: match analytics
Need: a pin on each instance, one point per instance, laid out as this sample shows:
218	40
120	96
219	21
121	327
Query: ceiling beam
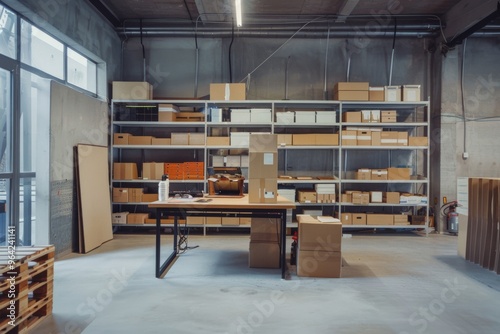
214	10
466	17
106	12
346	10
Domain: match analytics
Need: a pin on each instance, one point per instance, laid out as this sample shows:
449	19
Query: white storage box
218	161
392	93
326	117
244	161
240	139
305	117
120	218
233	161
216	115
287	117
240	115
260	115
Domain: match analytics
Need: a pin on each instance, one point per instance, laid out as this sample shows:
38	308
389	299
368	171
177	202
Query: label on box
268	158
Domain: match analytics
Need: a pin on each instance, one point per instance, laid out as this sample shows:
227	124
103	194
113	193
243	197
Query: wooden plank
496	206
483	222
473	202
489	260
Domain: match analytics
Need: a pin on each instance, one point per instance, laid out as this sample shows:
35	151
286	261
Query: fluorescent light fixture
238	13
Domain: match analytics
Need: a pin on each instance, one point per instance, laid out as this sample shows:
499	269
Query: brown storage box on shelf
364	174
184	116
389	138
196	139
346	218
265	229
285	139
137	218
125	171
398	173
379	219
120	195
230	221
304	139
351	117
148	198
388	116
327	139
360	197
132	90
346	198
376	138
140	140
180	138
227	91
349	138
121	138
135	195
264	255
351	91
418	141
378	174
193	220
152	170
359	218
161	141
401	219
402	138
376	93
306	196
391	197
167	112
363	138
217	141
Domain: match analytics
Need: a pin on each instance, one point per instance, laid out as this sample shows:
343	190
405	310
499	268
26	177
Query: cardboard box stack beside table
263	168
264	243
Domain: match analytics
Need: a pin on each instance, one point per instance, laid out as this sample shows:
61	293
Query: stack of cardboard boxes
264	243
319	247
263	168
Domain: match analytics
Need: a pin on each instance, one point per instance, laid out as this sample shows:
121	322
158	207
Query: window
41	51
5	122
8	33
81	72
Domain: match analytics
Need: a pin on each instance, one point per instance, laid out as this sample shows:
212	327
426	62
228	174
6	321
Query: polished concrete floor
397	283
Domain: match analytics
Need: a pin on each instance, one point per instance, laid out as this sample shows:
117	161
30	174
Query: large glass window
8	37
5	122
27	209
81	71
4	213
41	51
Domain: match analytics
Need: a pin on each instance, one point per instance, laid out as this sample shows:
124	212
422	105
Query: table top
222	203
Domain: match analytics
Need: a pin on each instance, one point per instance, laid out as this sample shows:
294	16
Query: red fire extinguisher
293	251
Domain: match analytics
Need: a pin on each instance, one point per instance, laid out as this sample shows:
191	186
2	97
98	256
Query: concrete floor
397	283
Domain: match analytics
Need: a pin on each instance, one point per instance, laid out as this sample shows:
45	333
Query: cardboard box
287	117
398	173
245	161
152	170
137	218
360	198
318	236
376	197
304	139
119	218
240	115
227	91
180	138
364	174
240	139
245	221
375	116
346	218
196	139
379	219
366	116
230	221
263	142
121	138
401	219
411	93
352	117
166	116
418	141
388	116
264	190
349	137
135	195
319	264
161	141
194	220
379	174
351	95
306	196
285	139
264	255
125	171
260	115
392	93
140	140
263	165
213	221
217	141
265	229
326	117
402	138
363	138
389	138
218	161
391	197
148	198
132	90
233	161
305	117
376	94
376	138
359	218
355	86
327	139
346	198
120	195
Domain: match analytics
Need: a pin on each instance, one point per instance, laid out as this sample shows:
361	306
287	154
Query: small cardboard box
132	90
360	198
245	221
119	218
376	93
375	197
264	255
213	221
125	171
363	138
180	138
401	219
227	91
327	139
161	141
349	137
315	235
167	112
305	117
379	174
287	117
418	141
137	218
285	139
264	190
354	86
265	229
120	195
411	93
346	198
375	116
366	116
196	139
304	139
152	170
392	93
379	219
121	138
352	117
388	116
364	174
402	138
194	220
135	195
389	138
306	196
140	140
148	198
240	115
346	218
230	221
398	173
351	95
319	264
376	138
359	218
217	141
391	197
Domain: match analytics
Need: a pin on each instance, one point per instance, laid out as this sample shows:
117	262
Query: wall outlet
465	155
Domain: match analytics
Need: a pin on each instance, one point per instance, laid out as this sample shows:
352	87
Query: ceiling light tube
238	13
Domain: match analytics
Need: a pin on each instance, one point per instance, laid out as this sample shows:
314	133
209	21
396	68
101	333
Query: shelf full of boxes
319	148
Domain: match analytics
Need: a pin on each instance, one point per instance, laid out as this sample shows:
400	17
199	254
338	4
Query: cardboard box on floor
265	229
314	235
264	255
319	264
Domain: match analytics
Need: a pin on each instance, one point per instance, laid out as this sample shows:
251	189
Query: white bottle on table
163	188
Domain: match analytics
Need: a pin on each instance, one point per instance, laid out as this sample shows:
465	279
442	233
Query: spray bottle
163	188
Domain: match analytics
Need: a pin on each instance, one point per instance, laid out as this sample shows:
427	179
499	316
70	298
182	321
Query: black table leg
283	244
161	269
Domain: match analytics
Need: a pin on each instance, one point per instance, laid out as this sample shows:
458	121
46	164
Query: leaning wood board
95	202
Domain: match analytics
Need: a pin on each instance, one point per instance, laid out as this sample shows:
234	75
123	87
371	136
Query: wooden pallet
189	117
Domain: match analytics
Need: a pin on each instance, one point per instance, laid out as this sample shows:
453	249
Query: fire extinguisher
448	210
293	251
